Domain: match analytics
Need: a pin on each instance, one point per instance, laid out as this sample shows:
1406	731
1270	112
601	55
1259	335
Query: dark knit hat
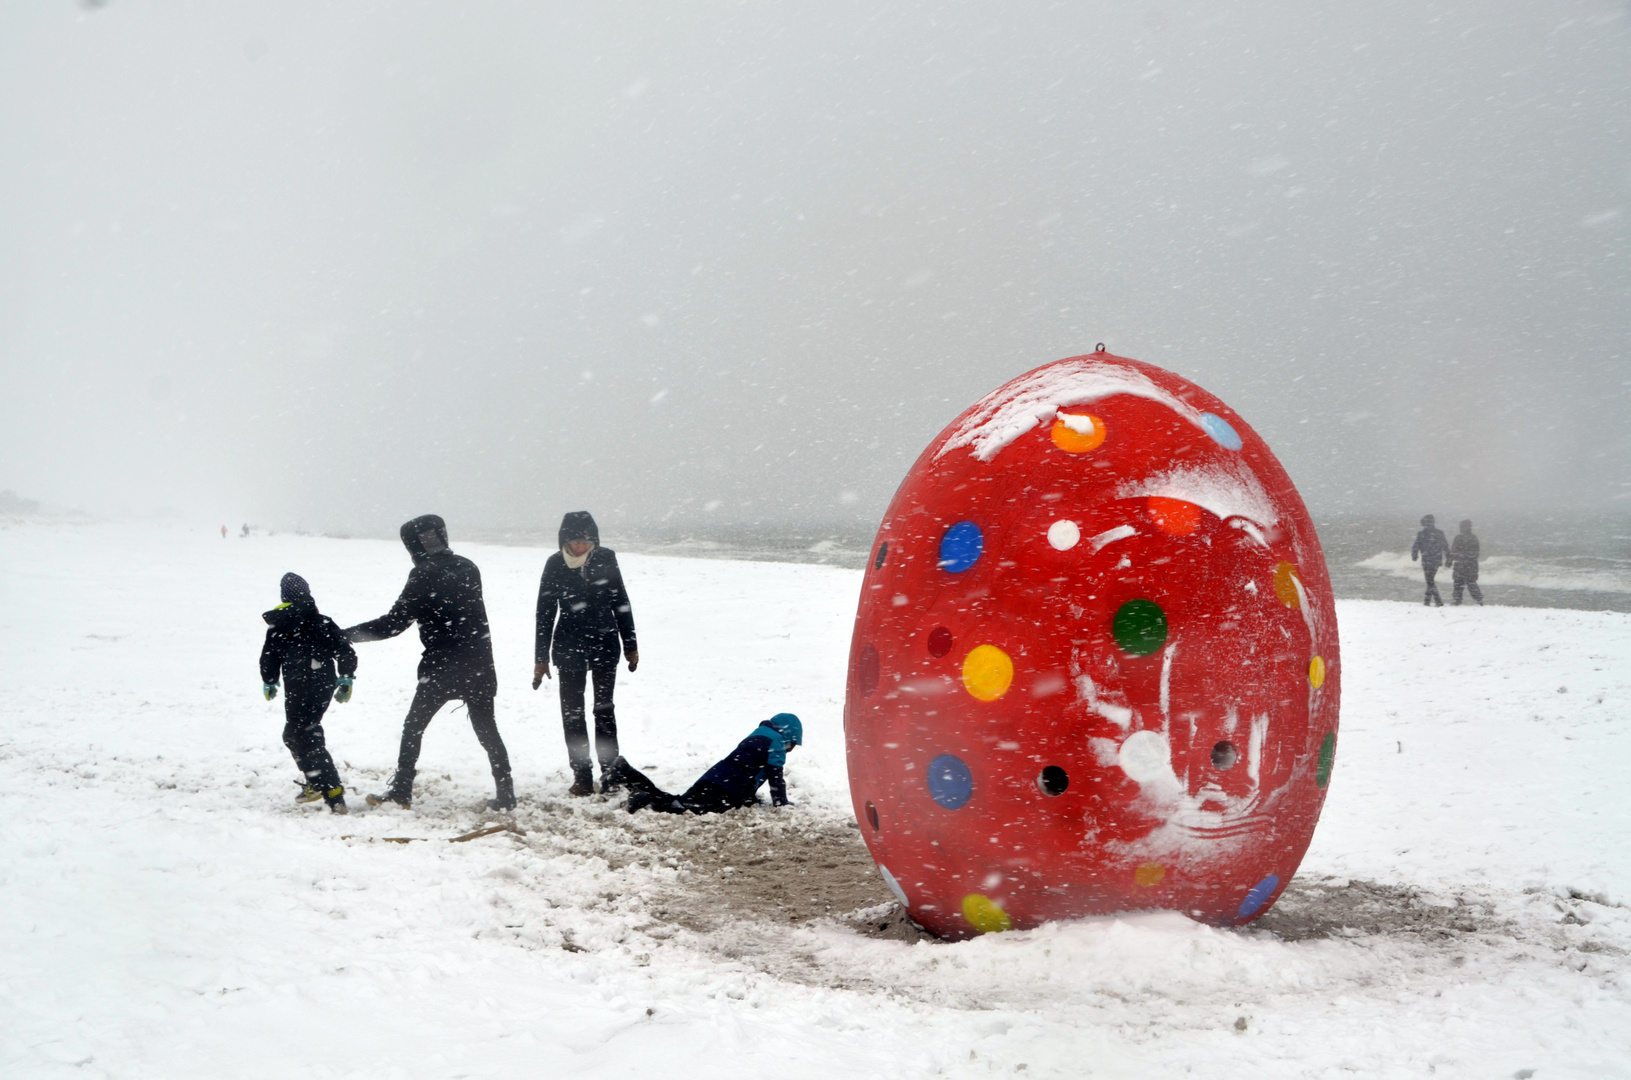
293	587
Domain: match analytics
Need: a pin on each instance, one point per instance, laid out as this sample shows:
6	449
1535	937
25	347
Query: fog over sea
1556	560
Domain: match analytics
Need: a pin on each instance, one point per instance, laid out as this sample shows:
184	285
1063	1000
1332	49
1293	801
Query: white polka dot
1063	534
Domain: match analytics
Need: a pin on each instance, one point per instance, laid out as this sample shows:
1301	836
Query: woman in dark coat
582	584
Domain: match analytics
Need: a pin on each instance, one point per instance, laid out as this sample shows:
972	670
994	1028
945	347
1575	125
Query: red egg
1095	664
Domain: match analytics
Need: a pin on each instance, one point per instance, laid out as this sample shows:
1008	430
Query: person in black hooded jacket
1464	564
443	595
1432	549
303	646
583	585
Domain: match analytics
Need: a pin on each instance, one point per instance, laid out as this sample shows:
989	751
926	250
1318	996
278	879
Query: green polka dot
1328	755
1140	627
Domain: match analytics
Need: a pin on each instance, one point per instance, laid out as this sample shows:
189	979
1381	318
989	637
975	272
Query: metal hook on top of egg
1096	668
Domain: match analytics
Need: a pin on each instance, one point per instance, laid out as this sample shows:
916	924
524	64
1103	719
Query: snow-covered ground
167	911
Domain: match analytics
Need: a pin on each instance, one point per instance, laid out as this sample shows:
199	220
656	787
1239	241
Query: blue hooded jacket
757	759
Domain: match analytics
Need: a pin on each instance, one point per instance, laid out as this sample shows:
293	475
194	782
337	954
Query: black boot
583	781
400	792
504	799
335	798
611	777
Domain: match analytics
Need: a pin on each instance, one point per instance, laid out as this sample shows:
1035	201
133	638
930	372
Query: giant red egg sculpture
1095	665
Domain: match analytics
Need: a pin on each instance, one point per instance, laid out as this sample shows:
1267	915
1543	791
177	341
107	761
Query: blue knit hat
792	731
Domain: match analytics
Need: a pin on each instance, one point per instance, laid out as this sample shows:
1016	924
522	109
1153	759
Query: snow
1227	489
166	909
1036	398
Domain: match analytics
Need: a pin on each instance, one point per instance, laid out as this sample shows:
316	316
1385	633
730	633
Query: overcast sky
693	264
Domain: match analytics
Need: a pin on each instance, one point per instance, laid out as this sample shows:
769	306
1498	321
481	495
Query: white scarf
576	562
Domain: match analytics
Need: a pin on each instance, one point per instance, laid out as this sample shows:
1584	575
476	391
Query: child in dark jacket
732	782
303	646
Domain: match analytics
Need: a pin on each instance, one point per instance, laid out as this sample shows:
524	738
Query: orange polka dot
1316	672
1077	433
1148	874
1174	515
1285	585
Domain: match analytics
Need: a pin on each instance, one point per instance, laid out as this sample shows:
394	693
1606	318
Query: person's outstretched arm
393	622
778	785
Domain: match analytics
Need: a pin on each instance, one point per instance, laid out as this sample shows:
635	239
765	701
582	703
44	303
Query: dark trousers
427	700
1431	596
701	797
576	726
303	735
1470	586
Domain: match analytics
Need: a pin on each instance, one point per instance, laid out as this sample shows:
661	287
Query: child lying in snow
732	782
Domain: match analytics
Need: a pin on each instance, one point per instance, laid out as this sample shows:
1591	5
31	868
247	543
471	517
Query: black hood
1466	525
424	536
291	613
1427	522
579	525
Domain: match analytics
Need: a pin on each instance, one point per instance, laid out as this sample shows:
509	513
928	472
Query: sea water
1580	561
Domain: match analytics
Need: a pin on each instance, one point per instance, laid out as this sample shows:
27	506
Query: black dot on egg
872	815
1224	755
883	553
1053	780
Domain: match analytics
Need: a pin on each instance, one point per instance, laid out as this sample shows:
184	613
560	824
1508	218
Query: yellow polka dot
1148	874
987	672
1316	672
1077	433
984	915
1285	585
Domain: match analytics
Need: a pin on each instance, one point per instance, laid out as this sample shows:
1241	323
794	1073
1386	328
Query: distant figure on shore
1432	549
223	532
1464	564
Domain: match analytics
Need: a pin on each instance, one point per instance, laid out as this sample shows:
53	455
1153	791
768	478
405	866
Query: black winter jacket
443	595
303	646
756	759
1431	546
1464	557
596	621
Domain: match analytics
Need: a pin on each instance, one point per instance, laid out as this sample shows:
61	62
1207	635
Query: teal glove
342	693
269	689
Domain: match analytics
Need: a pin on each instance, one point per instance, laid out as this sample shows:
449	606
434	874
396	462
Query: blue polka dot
1222	434
950	783
1258	896
961	546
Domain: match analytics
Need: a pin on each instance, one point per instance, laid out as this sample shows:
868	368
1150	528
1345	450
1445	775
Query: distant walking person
443	595
1431	548
582	583
1464	564
303	645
